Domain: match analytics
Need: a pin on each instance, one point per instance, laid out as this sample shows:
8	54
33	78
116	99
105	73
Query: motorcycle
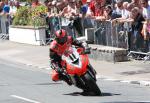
78	69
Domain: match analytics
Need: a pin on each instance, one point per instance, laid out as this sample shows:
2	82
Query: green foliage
22	16
30	16
36	13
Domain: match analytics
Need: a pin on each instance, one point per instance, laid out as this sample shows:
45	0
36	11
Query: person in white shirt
119	7
145	9
148	2
125	12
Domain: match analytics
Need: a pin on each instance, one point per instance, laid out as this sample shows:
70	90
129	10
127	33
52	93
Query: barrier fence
111	34
108	33
105	32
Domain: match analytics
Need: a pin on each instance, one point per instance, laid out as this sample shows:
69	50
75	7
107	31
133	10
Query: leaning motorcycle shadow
49	83
90	94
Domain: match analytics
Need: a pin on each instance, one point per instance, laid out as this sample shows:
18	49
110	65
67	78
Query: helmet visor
61	40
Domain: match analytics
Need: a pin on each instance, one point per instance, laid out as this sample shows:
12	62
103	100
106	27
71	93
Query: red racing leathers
56	52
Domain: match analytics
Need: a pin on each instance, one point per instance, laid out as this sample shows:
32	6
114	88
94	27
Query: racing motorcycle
78	69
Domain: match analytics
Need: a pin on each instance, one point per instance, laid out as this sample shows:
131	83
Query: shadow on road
90	94
109	94
48	83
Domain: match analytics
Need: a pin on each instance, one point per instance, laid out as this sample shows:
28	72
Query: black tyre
91	85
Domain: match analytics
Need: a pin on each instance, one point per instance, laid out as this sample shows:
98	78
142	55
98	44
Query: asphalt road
23	84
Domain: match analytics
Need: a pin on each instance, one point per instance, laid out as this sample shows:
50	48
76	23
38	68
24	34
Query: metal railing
105	32
109	34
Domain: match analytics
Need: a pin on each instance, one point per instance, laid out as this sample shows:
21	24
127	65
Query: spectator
88	15
2	3
146	15
118	7
136	3
52	19
35	3
130	6
13	7
107	14
46	2
17	4
146	9
86	10
53	9
146	34
5	16
71	12
61	4
80	10
84	1
109	2
97	7
136	37
125	12
6	8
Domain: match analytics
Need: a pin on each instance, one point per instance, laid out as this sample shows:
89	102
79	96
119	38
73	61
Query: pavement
133	71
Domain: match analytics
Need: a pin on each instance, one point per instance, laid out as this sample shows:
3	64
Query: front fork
92	72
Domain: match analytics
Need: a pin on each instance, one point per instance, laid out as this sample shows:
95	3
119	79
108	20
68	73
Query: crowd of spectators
137	12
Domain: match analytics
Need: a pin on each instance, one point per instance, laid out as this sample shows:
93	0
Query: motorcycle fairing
73	58
72	69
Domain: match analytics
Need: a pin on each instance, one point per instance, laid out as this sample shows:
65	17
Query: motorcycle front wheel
90	84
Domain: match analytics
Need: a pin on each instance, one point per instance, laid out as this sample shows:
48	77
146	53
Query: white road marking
25	99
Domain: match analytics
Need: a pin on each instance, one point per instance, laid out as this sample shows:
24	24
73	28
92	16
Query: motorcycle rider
58	47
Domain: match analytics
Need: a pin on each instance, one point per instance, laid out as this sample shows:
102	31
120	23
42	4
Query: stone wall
106	53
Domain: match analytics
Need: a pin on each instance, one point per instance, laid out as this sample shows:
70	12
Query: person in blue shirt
6	8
